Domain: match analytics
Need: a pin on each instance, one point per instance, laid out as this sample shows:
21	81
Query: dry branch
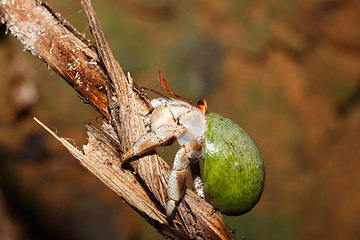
96	75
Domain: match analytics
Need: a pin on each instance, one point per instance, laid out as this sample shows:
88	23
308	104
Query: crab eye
201	104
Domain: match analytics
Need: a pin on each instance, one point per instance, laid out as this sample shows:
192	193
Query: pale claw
170	208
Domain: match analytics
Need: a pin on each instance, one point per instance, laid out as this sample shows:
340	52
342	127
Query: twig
62	48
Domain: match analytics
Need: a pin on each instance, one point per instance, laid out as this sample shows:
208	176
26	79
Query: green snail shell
234	173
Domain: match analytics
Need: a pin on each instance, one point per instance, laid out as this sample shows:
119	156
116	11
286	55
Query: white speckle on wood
71	67
51	48
77	75
93	62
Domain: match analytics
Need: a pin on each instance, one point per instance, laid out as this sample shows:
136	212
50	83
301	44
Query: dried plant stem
96	75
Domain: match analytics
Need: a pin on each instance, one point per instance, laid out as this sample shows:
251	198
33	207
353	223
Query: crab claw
170	208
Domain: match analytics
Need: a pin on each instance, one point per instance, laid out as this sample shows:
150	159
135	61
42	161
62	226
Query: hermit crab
233	174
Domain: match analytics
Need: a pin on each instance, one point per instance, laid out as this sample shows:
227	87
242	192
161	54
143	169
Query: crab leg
152	140
196	175
176	184
189	151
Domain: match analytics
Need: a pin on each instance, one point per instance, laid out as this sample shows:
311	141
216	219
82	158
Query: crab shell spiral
234	173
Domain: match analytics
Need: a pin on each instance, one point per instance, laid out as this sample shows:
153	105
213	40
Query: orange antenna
167	88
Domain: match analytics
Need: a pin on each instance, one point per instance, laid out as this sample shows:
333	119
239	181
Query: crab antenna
202	105
167	88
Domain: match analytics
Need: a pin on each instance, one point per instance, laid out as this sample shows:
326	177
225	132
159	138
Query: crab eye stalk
202	105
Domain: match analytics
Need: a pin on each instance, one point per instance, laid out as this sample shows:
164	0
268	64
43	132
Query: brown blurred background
287	71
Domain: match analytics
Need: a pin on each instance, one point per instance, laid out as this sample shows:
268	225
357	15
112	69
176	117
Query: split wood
95	74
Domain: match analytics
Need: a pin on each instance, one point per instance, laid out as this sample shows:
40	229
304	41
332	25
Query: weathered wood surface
142	183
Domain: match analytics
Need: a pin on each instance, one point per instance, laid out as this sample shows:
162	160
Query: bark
96	75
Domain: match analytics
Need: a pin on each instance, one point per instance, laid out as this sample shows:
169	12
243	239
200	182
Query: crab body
233	171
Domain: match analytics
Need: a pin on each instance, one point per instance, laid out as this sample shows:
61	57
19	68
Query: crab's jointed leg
196	176
152	139
189	151
176	184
